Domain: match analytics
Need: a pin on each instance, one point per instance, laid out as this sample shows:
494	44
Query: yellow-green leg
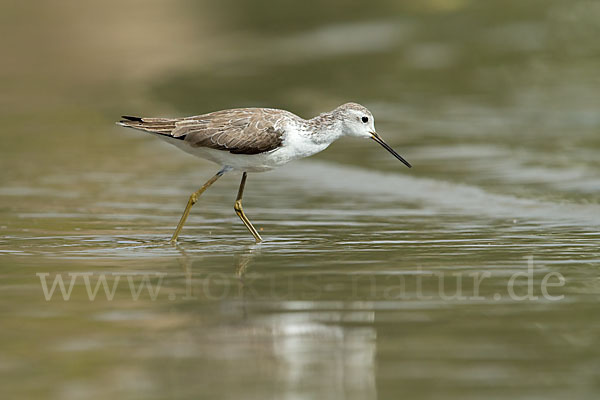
193	199
240	211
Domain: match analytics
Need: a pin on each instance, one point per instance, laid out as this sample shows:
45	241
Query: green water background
365	287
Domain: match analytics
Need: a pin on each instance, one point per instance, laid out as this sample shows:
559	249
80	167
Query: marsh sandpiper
256	140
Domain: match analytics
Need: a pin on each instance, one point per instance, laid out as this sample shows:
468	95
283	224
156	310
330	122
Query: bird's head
359	122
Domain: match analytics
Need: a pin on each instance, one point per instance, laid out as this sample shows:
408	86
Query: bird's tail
161	126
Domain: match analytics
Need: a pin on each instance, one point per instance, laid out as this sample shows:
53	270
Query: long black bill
379	140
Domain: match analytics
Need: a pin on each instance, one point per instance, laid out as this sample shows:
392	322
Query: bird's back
238	131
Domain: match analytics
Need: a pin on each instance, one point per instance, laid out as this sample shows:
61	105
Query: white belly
293	147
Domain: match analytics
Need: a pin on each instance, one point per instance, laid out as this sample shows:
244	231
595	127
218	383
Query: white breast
296	144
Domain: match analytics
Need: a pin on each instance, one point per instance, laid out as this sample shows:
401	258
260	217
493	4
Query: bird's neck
325	128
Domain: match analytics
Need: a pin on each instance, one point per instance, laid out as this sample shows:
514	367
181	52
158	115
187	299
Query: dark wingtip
130	118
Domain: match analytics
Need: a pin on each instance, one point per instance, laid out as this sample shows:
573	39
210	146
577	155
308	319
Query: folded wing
239	131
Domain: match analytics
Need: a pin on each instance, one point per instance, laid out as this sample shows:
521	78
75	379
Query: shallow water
473	274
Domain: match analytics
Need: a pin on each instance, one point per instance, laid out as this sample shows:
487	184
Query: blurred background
494	103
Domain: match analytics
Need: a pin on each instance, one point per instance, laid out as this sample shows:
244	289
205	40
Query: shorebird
256	140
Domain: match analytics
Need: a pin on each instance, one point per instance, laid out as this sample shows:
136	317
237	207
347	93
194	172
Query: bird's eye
365	119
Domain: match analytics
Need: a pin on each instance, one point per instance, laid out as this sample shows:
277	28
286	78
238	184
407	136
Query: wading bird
256	140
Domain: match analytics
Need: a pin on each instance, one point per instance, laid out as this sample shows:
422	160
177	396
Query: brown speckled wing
239	131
